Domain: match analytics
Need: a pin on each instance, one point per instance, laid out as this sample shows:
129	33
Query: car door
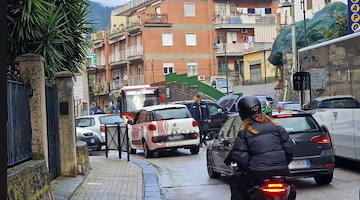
218	117
230	139
218	146
137	129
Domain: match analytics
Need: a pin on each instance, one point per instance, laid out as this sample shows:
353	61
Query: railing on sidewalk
117	138
18	123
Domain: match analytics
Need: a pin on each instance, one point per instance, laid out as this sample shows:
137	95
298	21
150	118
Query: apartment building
149	39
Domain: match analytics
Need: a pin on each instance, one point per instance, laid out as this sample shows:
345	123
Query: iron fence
18	123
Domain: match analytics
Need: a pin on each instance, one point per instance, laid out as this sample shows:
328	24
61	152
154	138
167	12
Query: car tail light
320	140
154	139
102	128
194	123
152	127
274	190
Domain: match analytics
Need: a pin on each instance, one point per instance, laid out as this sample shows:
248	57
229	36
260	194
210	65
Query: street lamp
152	68
215	47
303	8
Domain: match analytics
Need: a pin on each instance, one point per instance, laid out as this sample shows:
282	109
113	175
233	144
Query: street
182	175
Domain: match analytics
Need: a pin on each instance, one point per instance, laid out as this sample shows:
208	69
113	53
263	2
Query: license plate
297	164
174	137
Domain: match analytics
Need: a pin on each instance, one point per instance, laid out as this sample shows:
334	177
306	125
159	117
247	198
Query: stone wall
82	155
29	181
180	92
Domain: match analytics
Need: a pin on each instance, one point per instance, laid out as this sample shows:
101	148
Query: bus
133	98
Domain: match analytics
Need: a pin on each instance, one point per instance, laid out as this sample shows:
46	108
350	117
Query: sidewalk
109	179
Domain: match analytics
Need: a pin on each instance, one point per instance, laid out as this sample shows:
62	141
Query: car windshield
111	119
171	113
137	99
221	83
292	106
298	124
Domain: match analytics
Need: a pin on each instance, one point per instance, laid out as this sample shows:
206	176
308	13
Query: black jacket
200	112
270	149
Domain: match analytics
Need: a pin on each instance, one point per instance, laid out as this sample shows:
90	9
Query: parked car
162	127
266	98
313	156
229	102
217	113
96	123
220	84
87	136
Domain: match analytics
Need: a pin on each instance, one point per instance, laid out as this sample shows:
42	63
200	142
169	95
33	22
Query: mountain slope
99	15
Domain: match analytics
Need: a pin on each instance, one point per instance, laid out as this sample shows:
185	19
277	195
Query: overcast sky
113	3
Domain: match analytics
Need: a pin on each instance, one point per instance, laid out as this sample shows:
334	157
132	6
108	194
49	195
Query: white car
164	127
87	136
96	123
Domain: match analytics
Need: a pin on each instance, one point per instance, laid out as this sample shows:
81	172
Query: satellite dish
126	77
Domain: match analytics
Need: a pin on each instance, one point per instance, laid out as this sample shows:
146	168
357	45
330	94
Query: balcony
154	19
117	59
116	84
136	80
239	49
244	21
97	39
133	24
116	34
100	89
135	52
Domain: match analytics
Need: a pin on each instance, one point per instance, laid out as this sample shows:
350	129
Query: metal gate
52	130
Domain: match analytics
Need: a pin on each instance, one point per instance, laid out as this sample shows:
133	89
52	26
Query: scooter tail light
274	190
320	139
152	127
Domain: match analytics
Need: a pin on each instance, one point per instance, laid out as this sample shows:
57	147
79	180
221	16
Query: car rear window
171	113
298	124
113	119
84	122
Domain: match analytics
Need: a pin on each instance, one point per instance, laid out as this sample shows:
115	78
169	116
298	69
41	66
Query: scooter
276	188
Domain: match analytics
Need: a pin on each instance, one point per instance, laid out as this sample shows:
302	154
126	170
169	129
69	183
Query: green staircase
193	81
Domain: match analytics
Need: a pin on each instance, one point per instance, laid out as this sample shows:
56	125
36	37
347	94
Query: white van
340	117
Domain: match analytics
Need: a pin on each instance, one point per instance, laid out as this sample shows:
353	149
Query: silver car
96	123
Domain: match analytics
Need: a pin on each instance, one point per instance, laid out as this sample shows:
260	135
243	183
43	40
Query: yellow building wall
267	69
117	20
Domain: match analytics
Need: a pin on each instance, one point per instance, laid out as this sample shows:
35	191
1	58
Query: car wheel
195	150
147	152
210	168
98	145
324	179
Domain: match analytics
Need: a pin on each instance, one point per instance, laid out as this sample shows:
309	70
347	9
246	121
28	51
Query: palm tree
51	28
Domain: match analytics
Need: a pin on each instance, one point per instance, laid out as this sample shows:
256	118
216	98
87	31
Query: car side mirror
220	110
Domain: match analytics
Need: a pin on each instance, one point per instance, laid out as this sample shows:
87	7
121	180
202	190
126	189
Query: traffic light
301	81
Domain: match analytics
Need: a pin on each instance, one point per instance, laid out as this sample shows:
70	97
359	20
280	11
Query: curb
151	181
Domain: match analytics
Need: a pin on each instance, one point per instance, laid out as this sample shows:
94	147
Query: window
213	109
189	9
102	78
235	127
111	119
168	67
84	122
116	75
224	131
171	113
167	39
157	10
190	39
192	68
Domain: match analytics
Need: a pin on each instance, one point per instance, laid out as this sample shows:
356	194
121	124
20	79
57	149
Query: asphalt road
184	176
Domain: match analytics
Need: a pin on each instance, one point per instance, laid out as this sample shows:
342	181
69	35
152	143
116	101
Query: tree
53	29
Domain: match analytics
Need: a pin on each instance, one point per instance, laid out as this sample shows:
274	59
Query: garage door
255	74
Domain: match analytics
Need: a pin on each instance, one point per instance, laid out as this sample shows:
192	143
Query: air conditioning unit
243	30
201	77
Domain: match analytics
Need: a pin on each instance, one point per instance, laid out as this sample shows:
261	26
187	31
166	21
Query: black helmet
248	106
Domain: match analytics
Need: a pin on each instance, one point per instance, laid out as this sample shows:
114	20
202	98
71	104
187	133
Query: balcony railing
135	51
116	84
136	80
133	21
100	88
128	6
153	18
242	47
97	36
117	57
245	19
119	29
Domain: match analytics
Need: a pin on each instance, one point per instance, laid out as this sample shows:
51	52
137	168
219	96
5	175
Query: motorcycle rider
261	150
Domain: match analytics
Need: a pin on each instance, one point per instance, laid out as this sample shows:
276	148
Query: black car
229	102
313	155
218	115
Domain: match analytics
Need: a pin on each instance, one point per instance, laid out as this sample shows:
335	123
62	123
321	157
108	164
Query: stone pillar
31	69
67	141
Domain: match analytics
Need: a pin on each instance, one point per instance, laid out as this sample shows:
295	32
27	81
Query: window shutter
189	9
190	39
167	39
